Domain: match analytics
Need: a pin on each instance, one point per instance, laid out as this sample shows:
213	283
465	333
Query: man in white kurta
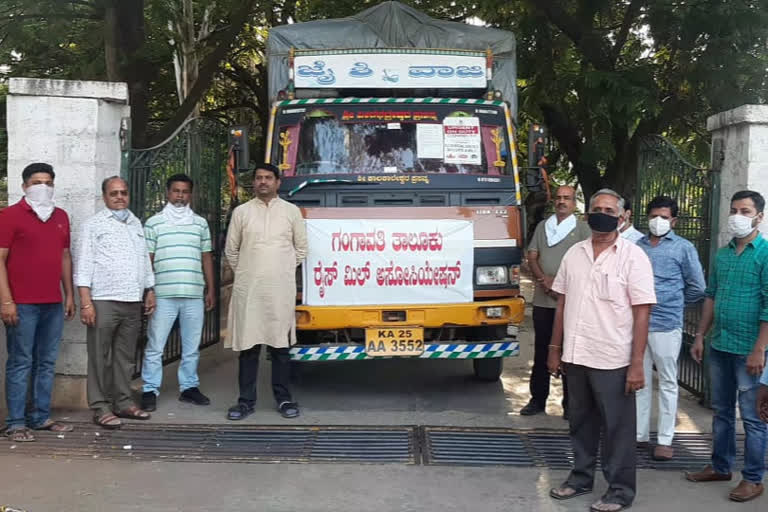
266	241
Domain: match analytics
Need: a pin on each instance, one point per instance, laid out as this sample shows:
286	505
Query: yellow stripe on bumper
423	315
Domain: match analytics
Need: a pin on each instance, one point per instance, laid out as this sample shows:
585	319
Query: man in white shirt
114	276
626	229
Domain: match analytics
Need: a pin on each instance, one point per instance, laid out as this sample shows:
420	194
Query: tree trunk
621	171
111	44
124	39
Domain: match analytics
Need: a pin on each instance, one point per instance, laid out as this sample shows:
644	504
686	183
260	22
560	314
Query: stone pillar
740	147
75	127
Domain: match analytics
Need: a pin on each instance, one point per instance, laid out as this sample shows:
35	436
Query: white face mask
40	198
740	226
659	226
178	215
121	215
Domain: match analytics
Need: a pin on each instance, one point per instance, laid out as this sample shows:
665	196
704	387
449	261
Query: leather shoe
531	408
149	401
708	474
746	491
194	396
662	452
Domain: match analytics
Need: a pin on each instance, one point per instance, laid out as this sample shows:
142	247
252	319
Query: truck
394	134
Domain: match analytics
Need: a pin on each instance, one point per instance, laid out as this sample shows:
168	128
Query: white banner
371	261
389	70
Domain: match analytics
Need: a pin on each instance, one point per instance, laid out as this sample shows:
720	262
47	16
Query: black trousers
598	404
249	373
543	321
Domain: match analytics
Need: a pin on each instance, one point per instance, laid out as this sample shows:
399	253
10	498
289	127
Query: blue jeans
191	315
729	381
33	345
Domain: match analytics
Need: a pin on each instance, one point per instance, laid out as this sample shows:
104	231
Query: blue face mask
121	215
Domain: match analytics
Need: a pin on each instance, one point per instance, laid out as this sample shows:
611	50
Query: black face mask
602	222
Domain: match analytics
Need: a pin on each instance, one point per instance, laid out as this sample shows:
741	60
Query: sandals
239	412
556	492
108	421
55	426
133	413
20	435
620	507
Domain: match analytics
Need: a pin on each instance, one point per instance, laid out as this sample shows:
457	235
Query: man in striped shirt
179	244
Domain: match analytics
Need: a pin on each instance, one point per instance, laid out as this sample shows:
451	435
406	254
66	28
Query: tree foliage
600	74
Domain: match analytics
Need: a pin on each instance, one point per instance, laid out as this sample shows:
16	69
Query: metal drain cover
213	443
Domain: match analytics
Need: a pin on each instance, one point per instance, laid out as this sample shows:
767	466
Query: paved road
41	485
399	392
386	392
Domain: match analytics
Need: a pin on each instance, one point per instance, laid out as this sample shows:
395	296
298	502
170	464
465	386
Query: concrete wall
742	136
74	126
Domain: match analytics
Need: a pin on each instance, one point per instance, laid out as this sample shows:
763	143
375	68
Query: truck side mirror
536	179
238	141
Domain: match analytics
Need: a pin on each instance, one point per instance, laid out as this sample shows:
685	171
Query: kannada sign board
389	70
372	261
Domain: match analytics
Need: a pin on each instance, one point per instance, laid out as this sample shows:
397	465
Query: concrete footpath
40	485
384	392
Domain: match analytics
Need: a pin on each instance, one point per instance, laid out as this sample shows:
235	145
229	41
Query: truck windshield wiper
322	181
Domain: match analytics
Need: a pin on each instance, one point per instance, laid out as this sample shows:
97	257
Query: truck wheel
488	369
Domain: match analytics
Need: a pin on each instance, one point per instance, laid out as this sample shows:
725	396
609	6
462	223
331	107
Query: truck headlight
514	275
494	312
491	275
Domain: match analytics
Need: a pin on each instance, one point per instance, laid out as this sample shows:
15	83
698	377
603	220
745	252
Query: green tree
602	74
119	40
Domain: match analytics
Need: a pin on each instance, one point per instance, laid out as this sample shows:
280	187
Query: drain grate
211	443
476	448
465	447
352	444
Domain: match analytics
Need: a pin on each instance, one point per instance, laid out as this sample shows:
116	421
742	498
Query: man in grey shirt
551	240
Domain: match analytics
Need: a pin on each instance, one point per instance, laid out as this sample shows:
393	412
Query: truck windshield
373	141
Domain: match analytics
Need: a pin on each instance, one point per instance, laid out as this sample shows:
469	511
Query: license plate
405	341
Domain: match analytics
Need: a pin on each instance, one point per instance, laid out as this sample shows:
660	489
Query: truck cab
403	162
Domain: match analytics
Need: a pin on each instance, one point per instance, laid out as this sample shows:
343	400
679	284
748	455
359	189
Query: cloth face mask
40	198
602	222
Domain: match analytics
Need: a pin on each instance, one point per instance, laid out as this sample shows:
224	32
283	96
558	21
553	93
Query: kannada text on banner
369	262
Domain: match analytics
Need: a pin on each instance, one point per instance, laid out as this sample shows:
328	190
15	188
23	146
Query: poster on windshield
371	261
429	140
461	140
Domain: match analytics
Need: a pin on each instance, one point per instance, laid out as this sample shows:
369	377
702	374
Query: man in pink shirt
598	342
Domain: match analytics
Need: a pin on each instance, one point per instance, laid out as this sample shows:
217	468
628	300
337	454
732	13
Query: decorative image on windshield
345	141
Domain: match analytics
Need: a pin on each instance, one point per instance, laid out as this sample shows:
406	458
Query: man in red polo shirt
34	261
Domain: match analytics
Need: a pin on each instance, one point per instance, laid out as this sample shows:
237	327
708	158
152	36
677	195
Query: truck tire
488	369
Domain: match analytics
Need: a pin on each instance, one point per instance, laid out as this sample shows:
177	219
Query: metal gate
198	149
662	170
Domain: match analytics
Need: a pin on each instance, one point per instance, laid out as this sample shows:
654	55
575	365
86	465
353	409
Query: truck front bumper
472	314
457	350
